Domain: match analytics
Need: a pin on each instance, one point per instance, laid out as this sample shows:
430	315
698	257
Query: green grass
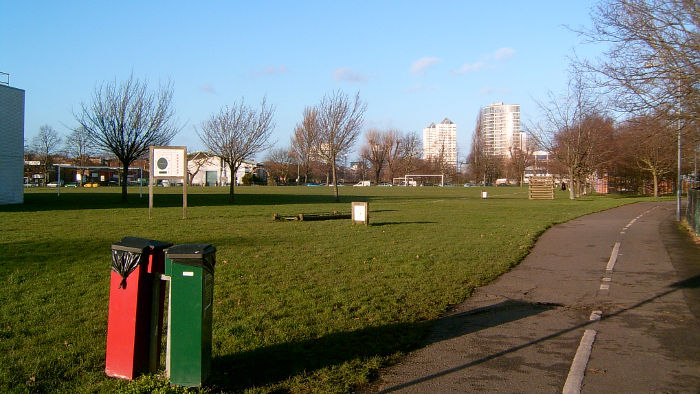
299	306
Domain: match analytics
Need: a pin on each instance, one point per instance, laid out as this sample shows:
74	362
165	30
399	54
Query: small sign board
360	212
168	162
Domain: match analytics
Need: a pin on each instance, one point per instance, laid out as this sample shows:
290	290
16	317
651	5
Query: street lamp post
679	188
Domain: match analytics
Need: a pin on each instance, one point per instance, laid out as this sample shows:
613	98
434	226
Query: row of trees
581	140
127	118
48	143
327	132
649	74
384	154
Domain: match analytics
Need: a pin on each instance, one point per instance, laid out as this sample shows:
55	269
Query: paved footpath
609	302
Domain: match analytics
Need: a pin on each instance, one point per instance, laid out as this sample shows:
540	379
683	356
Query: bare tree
393	157
563	133
236	133
518	160
375	151
478	157
339	122
410	152
305	140
127	118
278	164
643	142
45	146
79	145
651	61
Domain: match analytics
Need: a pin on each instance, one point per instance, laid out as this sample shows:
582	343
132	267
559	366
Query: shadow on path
268	365
688	283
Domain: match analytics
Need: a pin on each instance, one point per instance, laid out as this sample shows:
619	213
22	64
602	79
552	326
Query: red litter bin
136	300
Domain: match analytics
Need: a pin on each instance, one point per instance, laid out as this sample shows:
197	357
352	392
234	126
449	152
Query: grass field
299	306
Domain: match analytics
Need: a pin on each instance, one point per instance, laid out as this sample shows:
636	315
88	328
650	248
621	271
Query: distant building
11	145
440	142
540	166
210	170
500	129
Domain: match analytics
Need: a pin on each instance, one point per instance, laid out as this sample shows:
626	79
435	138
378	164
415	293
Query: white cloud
421	65
487	61
349	75
468	67
207	88
503	54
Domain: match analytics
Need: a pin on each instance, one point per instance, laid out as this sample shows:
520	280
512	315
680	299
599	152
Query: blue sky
412	62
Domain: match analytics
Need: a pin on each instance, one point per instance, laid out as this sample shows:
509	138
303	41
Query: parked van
362	183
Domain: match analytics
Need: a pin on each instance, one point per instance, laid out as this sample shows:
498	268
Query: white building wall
215	163
207	164
11	145
500	128
441	138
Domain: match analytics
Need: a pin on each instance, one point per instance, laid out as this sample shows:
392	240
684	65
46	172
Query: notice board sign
167	162
360	212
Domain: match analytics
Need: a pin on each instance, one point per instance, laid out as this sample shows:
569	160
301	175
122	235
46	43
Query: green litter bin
191	271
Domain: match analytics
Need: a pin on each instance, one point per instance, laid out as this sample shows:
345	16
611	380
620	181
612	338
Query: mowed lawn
298	306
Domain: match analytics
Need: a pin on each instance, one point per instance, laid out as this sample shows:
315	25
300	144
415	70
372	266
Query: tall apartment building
440	142
11	144
500	129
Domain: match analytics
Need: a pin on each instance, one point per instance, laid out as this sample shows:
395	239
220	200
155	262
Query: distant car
363	183
71	185
469	185
53	184
448	184
385	184
313	184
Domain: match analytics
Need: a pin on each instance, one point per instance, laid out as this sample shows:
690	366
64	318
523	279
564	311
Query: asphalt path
609	302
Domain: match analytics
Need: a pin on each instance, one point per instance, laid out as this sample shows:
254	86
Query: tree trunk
656	184
335	182
232	182
571	185
125	172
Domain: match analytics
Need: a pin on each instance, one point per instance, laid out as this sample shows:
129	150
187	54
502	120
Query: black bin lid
197	255
143	242
130	247
190	251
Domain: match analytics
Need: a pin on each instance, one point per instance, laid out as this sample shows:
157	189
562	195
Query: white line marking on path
578	366
613	257
605	287
596	315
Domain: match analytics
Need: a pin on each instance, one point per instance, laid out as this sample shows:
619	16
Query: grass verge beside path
299	306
